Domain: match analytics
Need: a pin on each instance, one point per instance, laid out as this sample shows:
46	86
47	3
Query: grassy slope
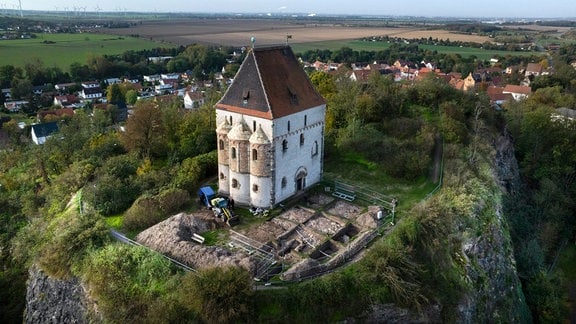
378	46
68	48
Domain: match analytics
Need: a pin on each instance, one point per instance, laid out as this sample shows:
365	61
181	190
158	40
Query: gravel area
297	214
344	209
324	225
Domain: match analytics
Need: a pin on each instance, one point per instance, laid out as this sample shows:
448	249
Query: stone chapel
270	130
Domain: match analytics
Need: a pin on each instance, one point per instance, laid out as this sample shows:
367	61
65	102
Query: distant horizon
14	12
491	9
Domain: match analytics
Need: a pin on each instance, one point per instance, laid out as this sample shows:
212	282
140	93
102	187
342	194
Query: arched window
254	154
315	148
283	183
233	152
284	146
301	139
221	144
234	183
255	187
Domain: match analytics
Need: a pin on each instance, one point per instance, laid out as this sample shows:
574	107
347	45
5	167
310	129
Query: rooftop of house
511	88
270	84
45	129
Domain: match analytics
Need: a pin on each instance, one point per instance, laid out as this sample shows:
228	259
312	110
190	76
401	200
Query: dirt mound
173	237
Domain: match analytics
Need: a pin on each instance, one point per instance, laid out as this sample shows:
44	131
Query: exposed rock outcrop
50	300
496	294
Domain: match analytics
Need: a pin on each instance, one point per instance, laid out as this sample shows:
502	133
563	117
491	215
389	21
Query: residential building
193	99
91	90
518	92
41	132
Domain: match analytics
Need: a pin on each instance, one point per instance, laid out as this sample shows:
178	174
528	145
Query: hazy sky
457	8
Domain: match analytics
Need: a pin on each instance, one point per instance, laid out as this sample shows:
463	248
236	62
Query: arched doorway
300	178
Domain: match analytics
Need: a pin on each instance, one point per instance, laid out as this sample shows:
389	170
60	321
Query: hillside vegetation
450	256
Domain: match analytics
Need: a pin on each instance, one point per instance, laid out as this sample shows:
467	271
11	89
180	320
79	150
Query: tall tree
144	130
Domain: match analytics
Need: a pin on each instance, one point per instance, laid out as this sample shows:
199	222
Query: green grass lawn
61	50
352	168
359	45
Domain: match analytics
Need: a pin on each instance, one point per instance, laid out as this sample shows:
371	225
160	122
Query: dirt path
435	175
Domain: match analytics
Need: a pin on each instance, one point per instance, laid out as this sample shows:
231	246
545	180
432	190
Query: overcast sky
431	8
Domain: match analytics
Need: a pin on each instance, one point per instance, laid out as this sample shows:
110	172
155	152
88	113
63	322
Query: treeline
483	29
200	60
447	62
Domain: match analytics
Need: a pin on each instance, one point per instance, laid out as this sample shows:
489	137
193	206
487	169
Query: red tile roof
270	84
511	88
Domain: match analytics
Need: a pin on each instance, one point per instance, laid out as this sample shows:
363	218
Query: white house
270	129
91	90
193	99
518	92
41	132
16	105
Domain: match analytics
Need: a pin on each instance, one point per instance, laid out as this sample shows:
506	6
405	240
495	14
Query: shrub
145	212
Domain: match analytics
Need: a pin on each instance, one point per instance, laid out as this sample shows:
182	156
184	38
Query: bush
172	200
129	283
193	170
74	235
144	213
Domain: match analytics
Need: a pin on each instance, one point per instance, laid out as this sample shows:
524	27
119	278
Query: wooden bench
198	238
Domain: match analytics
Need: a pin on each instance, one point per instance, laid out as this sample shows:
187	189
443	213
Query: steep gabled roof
46	129
270	84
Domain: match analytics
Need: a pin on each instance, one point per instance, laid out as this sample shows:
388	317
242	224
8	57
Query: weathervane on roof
287	38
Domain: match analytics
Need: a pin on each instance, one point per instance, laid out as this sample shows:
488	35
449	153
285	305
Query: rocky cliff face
54	301
496	294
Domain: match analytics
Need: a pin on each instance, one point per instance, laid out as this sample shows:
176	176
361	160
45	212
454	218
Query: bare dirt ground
344	209
238	32
299	237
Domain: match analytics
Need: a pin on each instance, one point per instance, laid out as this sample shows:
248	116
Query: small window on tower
315	148
254	154
234	183
233	152
284	146
288	125
305	120
301	139
221	144
254	126
255	188
221	175
283	183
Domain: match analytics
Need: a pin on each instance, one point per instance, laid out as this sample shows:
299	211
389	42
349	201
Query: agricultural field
61	50
238	32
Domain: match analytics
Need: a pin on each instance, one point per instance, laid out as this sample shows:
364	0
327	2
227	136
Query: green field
359	45
61	50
